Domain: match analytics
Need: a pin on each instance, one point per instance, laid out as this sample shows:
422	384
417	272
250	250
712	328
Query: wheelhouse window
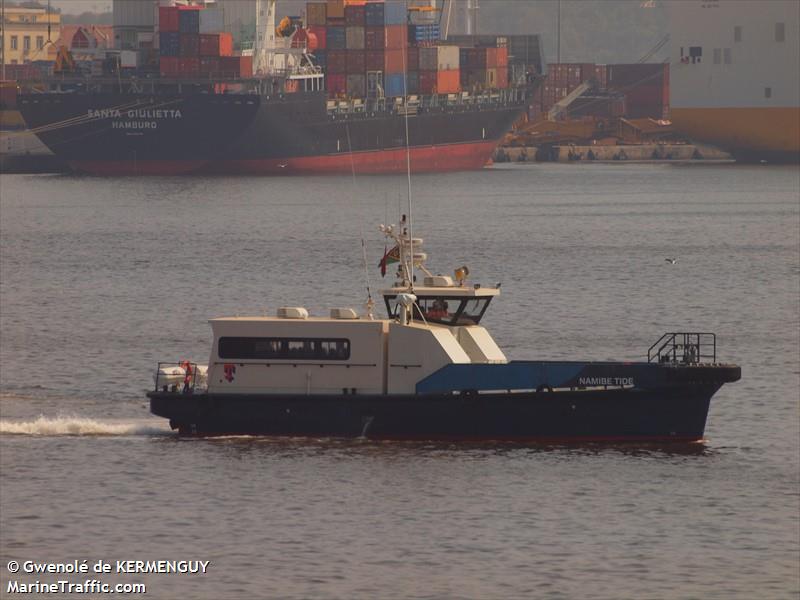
445	310
258	348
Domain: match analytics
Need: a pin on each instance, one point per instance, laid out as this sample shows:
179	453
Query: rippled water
101	278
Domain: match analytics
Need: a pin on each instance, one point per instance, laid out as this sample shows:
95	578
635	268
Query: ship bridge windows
445	310
274	348
695	53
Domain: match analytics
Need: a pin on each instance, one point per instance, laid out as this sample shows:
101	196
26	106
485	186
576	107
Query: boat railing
688	348
174	377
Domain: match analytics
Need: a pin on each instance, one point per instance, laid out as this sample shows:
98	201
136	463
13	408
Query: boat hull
675	413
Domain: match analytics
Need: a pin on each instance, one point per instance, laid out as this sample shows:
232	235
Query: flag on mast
389	256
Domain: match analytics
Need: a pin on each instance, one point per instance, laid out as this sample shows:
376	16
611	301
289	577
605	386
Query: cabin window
258	348
696	53
445	310
780	32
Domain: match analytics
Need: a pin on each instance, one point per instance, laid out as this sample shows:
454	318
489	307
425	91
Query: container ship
351	86
735	76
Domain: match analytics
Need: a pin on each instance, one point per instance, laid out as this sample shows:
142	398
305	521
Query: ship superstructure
735	75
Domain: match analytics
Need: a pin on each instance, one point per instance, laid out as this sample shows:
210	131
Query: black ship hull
162	134
674	414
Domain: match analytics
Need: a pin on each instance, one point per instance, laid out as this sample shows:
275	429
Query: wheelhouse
445	309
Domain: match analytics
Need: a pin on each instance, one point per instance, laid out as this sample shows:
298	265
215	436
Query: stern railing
176	382
685	348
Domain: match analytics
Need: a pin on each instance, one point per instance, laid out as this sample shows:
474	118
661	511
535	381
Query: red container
189	67
321	34
355	15
491	58
448	82
337	84
236	66
169	66
427	82
502	57
412	54
168	18
209	65
374	60
396	36
190	45
216	44
337	61
356	62
394	61
502	77
375	38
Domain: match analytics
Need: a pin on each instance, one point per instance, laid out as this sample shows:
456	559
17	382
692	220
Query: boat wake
79	426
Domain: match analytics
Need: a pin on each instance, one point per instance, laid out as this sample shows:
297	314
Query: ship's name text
588	381
140	113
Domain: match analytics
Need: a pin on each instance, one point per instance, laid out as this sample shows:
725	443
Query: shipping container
356	62
502	78
316	13
336	84
502	56
395	13
236	66
354	15
337	61
212	20
189	19
335	9
633	74
168	18
412	59
169	66
356	85
396	36
169	43
336	38
374	14
427	82
321	33
128	59
209	65
190	44
216	44
374	38
440	82
412	81
395	85
321	58
394	61
423	34
374	60
354	37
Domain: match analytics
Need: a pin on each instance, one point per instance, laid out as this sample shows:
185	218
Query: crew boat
429	371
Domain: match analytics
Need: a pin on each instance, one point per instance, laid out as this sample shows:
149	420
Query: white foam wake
72	425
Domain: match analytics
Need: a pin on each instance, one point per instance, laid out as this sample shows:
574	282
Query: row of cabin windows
26	42
695	53
780	32
258	348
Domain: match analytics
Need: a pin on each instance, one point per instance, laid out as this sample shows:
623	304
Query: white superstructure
735	73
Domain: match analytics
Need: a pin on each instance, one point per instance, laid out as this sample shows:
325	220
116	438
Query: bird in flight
671	261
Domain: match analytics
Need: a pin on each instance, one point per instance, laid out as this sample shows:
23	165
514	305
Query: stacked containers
484	68
355	21
395	60
646	88
192	44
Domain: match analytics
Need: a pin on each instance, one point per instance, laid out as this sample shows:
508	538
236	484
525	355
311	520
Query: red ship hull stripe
424	159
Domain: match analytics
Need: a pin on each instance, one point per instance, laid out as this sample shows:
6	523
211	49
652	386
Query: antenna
408	174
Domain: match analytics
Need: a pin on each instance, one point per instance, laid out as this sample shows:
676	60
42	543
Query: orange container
335	9
448	82
394	61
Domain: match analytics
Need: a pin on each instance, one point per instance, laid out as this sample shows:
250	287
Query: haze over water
102	278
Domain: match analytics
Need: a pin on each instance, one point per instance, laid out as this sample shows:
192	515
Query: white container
128	59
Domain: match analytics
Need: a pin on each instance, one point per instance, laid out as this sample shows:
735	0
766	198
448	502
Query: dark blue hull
673	413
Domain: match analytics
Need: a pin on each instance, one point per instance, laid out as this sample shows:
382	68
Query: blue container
336	38
422	34
395	84
395	12
189	21
374	14
169	43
